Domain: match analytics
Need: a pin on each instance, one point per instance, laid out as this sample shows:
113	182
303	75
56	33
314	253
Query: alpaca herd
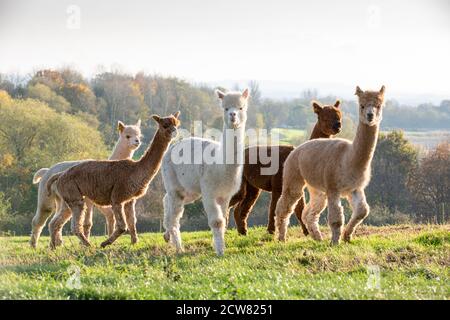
222	173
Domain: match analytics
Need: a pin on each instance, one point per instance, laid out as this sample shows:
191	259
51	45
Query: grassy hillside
413	263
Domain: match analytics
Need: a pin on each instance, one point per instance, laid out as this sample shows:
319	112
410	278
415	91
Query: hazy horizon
331	46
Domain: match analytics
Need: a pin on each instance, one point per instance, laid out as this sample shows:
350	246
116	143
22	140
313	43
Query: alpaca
128	142
214	182
112	183
329	119
331	169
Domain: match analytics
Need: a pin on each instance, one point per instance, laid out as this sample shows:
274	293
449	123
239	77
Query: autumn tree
430	185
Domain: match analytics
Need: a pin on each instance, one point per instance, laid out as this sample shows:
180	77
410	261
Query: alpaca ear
138	123
337	103
220	94
120	126
246	93
317	107
358	91
176	114
156	118
382	89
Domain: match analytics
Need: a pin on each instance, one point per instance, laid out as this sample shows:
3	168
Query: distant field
427	139
289	136
395	262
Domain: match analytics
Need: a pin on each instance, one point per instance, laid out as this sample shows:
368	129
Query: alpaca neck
317	133
232	145
121	151
364	146
151	161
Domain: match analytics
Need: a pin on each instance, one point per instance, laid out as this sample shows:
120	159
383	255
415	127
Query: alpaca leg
121	226
292	192
109	217
298	213
87	225
273	205
78	210
225	209
235	202
43	211
242	211
360	210
56	225
311	213
130	215
216	222
335	217
173	211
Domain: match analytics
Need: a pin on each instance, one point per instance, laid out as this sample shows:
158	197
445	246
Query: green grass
413	262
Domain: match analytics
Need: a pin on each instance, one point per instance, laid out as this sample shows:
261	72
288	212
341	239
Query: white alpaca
215	182
129	141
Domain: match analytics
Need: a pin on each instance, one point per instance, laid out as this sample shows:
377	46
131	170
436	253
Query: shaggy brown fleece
115	183
329	121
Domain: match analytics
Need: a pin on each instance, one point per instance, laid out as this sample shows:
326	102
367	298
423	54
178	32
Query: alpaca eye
362	107
226	109
241	108
128	137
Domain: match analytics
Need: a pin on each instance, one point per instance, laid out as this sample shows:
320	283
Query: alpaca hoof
86	244
242	232
33	244
134	240
104	244
282	238
317	236
166	236
305	231
347	237
180	250
334	243
271	230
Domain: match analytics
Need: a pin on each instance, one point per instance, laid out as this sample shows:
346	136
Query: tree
32	136
44	93
393	160
430	185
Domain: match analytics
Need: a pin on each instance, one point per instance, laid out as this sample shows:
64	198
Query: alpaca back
323	163
97	180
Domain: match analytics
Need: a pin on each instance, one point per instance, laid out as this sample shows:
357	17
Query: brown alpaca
114	183
328	123
331	169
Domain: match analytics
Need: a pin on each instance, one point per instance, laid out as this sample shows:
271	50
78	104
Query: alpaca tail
39	174
50	182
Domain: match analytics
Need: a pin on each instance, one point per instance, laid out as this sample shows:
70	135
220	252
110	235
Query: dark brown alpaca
328	124
114	183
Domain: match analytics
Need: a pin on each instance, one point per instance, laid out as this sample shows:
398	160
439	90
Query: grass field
396	262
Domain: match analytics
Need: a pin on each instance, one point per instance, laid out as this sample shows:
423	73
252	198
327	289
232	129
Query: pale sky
402	44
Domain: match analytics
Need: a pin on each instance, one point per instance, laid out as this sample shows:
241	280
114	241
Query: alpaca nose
370	116
337	125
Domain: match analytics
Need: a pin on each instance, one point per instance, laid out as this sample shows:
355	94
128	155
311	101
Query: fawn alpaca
113	183
215	182
129	141
329	119
331	169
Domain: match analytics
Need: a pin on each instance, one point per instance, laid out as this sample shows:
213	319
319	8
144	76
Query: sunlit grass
413	262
